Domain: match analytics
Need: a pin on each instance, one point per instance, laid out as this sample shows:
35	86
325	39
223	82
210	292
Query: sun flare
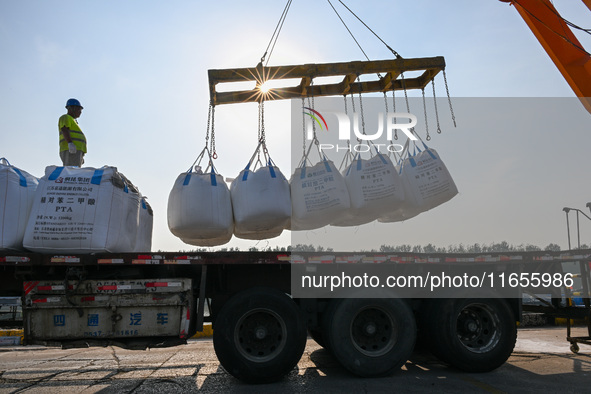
265	87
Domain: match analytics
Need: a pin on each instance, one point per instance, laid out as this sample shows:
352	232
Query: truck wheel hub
370	328
261	333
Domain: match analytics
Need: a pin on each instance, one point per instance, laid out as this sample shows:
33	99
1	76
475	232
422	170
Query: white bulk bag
261	201
83	210
405	211
374	189
17	192
200	209
143	241
319	196
427	181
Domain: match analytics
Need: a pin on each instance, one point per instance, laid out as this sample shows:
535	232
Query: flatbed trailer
261	318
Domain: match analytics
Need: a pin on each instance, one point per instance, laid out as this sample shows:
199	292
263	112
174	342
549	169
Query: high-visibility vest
76	133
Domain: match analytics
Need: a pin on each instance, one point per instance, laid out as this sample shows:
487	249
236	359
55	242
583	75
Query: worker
72	139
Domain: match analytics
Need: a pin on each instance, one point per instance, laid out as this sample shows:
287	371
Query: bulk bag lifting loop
22	178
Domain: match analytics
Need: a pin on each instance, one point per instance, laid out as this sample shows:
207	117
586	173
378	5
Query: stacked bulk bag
143	241
261	199
200	207
427	184
17	191
83	210
319	195
374	188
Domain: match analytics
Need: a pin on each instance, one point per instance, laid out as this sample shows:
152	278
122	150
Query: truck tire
326	322
472	334
370	337
259	335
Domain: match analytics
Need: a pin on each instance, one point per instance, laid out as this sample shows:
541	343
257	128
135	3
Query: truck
261	321
261	312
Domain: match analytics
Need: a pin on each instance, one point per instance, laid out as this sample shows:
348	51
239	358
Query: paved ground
542	362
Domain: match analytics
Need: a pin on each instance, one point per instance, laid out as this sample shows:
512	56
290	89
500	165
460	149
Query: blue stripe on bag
272	171
303	174
214	181
431	154
412	162
96	178
246	171
55	174
382	158
187	179
327	166
22	179
144	204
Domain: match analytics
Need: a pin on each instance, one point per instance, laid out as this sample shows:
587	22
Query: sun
265	87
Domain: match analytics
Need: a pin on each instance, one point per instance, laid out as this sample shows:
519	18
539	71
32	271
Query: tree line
495	247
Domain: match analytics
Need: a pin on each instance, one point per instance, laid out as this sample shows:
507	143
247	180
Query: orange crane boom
560	43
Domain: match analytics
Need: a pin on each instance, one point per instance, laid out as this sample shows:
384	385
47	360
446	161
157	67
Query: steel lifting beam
389	78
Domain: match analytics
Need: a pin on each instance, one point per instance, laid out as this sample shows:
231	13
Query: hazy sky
140	70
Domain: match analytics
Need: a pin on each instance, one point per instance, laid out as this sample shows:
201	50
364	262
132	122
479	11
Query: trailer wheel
259	335
474	335
371	337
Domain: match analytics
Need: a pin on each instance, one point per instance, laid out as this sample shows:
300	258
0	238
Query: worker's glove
72	147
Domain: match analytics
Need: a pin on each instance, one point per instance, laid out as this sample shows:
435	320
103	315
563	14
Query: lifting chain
262	139
453	117
303	126
214	154
353	105
435	103
393	118
406	98
347	113
311	104
394	110
211	129
345	98
361	106
428	138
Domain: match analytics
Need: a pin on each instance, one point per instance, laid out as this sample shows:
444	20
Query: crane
563	47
